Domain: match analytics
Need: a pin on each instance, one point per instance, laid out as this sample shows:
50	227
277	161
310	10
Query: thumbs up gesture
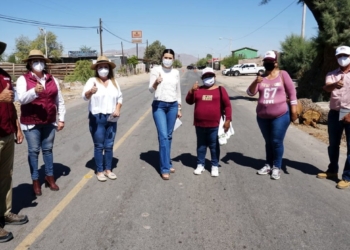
39	88
7	94
340	83
159	79
194	87
94	89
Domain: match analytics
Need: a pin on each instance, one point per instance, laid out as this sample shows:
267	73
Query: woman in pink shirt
210	101
273	114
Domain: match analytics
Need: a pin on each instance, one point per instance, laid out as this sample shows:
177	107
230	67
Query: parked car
229	71
191	67
248	68
201	67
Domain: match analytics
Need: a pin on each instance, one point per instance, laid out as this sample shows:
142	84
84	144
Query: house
245	52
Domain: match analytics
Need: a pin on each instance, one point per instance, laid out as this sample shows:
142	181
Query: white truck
248	68
229	71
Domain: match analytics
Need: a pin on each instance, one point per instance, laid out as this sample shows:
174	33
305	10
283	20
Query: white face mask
209	81
103	72
38	66
344	61
167	62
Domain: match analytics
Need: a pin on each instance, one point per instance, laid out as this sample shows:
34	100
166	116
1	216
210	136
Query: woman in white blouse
166	107
105	101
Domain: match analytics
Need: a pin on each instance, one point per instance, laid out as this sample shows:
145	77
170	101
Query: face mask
103	72
38	66
208	82
167	63
269	66
344	61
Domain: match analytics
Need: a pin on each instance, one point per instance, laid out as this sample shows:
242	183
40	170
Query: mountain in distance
185	59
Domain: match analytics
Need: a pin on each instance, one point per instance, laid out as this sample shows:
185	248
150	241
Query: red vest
7	110
43	109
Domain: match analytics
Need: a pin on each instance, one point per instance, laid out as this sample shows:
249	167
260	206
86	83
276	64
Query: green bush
82	72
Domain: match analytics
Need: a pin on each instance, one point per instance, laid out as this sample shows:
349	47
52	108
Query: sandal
172	170
165	177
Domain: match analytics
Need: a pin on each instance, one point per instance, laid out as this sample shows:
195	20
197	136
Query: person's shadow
152	158
190	161
23	195
91	164
257	164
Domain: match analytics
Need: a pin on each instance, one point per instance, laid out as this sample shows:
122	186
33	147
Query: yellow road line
45	223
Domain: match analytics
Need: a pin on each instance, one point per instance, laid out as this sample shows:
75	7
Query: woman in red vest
41	102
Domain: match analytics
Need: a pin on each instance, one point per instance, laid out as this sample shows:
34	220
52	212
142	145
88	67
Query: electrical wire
104	29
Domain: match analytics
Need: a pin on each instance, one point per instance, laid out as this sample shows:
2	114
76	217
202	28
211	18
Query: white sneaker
200	168
214	171
265	170
101	177
276	173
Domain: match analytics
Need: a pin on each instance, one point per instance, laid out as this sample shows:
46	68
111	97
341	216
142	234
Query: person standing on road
41	103
10	132
338	84
105	101
166	107
273	114
207	112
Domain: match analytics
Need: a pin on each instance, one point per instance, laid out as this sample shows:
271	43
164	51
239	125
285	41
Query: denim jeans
164	115
40	136
274	131
103	135
207	138
335	131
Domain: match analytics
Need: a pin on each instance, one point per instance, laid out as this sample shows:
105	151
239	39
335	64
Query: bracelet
179	108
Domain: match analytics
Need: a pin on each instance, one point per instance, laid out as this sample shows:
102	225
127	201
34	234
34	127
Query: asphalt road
237	210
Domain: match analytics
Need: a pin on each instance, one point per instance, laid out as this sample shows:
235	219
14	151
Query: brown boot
4	235
36	187
50	181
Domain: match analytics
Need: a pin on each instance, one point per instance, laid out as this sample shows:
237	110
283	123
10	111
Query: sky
187	26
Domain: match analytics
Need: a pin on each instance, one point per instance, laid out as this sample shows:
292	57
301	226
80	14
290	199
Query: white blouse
26	96
105	100
169	89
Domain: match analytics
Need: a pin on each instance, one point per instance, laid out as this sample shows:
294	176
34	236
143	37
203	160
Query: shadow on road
91	164
152	158
190	161
23	197
256	164
58	171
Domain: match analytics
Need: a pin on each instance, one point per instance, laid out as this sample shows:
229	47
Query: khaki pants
7	149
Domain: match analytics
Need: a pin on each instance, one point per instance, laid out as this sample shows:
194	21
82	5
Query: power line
104	28
267	21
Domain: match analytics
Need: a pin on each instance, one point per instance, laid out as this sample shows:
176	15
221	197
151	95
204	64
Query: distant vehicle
201	67
229	71
248	68
190	67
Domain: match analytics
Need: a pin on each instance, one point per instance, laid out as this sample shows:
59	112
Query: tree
24	46
209	56
177	64
133	61
202	62
154	52
332	17
85	48
2	57
229	61
82	72
297	55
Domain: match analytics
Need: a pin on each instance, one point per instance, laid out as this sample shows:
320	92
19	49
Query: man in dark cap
10	131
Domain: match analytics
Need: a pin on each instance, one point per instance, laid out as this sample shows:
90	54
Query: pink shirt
340	98
272	102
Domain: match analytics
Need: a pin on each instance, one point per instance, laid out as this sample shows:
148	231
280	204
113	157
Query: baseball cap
342	50
2	47
270	55
207	72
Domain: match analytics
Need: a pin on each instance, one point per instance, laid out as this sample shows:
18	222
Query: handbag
222	136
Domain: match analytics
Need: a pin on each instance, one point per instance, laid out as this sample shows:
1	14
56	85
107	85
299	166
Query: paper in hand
111	118
343	112
178	123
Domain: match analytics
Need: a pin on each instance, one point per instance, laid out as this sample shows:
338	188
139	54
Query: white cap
343	50
270	55
208	71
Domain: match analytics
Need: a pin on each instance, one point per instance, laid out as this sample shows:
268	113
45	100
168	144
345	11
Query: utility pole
122	53
303	22
137	50
101	50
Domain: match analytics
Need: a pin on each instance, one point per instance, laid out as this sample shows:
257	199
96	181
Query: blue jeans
40	137
164	115
207	137
335	131
274	131
103	135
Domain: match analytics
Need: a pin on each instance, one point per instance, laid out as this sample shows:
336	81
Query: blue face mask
209	81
